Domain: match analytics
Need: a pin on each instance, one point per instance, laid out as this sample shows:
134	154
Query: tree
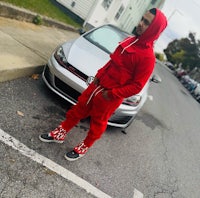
159	56
179	56
185	51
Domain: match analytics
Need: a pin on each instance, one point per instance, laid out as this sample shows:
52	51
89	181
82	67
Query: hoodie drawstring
129	45
94	93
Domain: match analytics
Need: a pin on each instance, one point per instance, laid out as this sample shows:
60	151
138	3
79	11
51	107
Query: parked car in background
185	79
196	92
191	85
73	64
179	72
170	65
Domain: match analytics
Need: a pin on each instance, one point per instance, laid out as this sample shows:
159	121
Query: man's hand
105	94
96	81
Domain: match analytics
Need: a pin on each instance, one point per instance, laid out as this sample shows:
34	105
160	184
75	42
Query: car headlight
60	56
133	100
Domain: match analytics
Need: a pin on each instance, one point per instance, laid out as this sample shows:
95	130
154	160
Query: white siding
94	14
133	14
100	15
81	7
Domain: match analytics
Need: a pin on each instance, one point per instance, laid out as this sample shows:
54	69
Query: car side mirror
156	79
81	31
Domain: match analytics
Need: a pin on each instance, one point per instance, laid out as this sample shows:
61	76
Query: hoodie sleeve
142	73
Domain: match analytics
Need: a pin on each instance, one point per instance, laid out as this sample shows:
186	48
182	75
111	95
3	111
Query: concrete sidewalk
25	47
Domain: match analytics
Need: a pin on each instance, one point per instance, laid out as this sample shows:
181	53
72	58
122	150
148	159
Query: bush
37	20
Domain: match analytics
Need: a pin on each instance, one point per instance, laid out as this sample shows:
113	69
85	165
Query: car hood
85	56
88	58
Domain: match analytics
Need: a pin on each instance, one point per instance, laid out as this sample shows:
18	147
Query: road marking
137	194
150	97
63	172
23	149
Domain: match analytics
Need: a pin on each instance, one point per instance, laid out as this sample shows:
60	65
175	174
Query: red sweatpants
99	109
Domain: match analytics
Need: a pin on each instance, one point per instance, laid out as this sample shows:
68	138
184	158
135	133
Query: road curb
11	74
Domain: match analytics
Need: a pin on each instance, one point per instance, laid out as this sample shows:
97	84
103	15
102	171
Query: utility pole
174	12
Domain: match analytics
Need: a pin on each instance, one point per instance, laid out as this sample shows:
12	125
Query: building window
73	4
121	9
153	2
106	4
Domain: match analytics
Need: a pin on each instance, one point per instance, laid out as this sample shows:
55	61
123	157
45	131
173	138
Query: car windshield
106	37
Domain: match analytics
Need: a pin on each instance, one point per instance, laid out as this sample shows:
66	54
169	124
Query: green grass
44	7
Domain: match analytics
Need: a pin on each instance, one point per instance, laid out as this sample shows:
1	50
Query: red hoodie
132	63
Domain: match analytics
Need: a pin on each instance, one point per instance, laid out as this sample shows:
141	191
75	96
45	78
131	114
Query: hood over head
154	30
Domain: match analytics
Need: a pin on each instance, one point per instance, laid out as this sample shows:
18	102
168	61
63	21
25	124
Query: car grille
66	90
76	72
60	86
47	74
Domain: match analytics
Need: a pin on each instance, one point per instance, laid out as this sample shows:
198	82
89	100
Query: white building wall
130	17
79	7
133	14
94	14
101	16
97	16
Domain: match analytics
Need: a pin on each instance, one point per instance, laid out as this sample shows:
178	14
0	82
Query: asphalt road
158	156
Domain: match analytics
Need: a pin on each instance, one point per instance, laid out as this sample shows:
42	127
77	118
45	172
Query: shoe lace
81	148
59	133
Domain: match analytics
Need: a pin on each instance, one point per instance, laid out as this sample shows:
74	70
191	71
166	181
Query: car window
106	38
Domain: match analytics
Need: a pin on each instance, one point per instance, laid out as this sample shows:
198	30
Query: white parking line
137	194
150	97
23	149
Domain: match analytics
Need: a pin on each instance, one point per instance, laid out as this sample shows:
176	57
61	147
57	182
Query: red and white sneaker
57	135
78	152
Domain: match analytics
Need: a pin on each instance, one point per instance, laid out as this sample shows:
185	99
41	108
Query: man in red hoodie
125	74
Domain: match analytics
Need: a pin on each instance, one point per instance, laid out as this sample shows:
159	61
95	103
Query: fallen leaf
12	160
20	113
35	76
49	172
